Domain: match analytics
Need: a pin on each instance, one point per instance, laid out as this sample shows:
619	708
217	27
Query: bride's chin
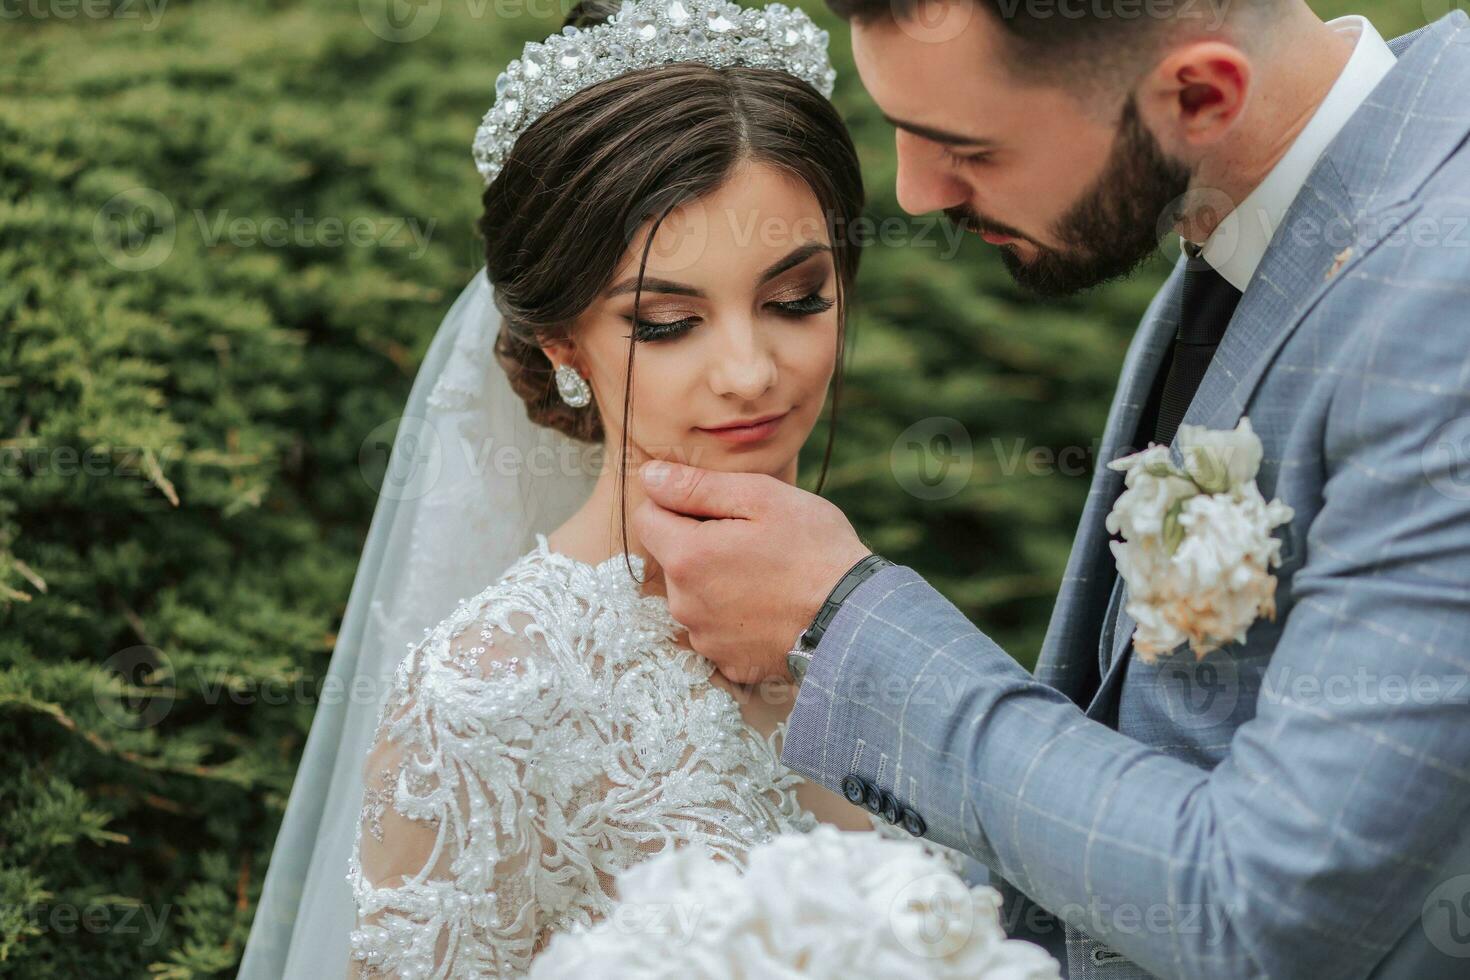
779	462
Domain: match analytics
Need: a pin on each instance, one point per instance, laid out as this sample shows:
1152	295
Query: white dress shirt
1236	246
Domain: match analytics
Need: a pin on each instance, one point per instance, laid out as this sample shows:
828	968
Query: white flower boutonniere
1197	547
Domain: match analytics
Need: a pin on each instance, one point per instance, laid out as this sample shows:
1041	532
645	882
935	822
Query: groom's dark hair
1072	41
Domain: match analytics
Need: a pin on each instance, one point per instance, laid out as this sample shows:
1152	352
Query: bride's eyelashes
649	330
811	304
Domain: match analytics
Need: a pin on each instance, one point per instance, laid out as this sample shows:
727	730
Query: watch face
797	663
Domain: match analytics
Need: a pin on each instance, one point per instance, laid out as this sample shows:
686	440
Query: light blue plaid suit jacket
1297	804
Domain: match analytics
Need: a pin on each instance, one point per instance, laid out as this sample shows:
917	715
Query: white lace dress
546	735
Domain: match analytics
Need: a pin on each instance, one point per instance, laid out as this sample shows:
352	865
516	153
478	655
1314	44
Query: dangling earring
572	387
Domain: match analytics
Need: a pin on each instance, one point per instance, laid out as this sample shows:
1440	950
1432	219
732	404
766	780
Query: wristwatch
799	657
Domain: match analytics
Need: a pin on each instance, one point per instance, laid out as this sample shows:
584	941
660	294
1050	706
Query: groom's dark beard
1112	229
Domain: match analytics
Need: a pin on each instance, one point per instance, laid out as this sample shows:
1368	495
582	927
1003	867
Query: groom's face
1074	195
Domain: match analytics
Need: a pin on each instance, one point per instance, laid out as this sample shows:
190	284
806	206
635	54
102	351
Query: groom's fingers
702	493
661	531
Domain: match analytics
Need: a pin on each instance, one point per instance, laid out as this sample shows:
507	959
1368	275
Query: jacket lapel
1359	192
1088	579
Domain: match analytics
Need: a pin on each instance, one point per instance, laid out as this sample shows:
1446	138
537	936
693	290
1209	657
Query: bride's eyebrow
797	256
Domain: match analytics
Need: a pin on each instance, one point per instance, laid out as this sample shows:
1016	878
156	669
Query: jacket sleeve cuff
810	739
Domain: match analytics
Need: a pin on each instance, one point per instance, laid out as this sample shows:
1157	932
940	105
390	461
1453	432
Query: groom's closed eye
963	159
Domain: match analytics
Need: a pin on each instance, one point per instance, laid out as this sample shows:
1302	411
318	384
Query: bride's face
736	339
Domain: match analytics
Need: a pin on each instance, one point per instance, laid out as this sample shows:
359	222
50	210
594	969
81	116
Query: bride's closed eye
811	304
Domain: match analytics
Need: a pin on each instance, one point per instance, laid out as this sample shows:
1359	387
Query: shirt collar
1238	244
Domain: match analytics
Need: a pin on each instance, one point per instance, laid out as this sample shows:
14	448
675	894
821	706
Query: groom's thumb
700	493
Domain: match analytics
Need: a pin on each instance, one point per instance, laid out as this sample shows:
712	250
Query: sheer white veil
470	482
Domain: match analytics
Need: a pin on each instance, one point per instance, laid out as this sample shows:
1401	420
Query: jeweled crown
643	34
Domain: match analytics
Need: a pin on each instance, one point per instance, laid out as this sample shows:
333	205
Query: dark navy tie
1206	307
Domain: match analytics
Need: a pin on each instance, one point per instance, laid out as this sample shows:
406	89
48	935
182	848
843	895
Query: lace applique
549	733
374	801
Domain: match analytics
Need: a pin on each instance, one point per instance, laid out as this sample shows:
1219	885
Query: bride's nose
744	366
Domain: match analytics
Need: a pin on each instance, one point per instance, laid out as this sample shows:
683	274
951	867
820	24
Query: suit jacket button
852	788
892	812
873	798
914	823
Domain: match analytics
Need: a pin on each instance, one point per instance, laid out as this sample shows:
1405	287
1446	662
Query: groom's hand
747	560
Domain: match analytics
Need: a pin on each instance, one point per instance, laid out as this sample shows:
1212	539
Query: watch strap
857	575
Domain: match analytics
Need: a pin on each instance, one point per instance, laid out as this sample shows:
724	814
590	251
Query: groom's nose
924	184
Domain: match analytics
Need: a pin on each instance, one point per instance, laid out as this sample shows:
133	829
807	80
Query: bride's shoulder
545	613
515	614
493	664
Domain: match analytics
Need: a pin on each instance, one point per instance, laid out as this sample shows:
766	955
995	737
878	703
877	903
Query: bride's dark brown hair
585	177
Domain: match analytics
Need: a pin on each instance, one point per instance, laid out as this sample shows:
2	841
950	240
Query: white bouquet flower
1197	547
823	904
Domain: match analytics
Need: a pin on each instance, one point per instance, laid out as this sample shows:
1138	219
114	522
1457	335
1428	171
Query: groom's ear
1194	95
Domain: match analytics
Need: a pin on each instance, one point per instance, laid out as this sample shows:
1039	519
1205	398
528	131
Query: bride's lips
748	430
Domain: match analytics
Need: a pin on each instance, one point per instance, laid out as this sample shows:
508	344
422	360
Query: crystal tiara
643	34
